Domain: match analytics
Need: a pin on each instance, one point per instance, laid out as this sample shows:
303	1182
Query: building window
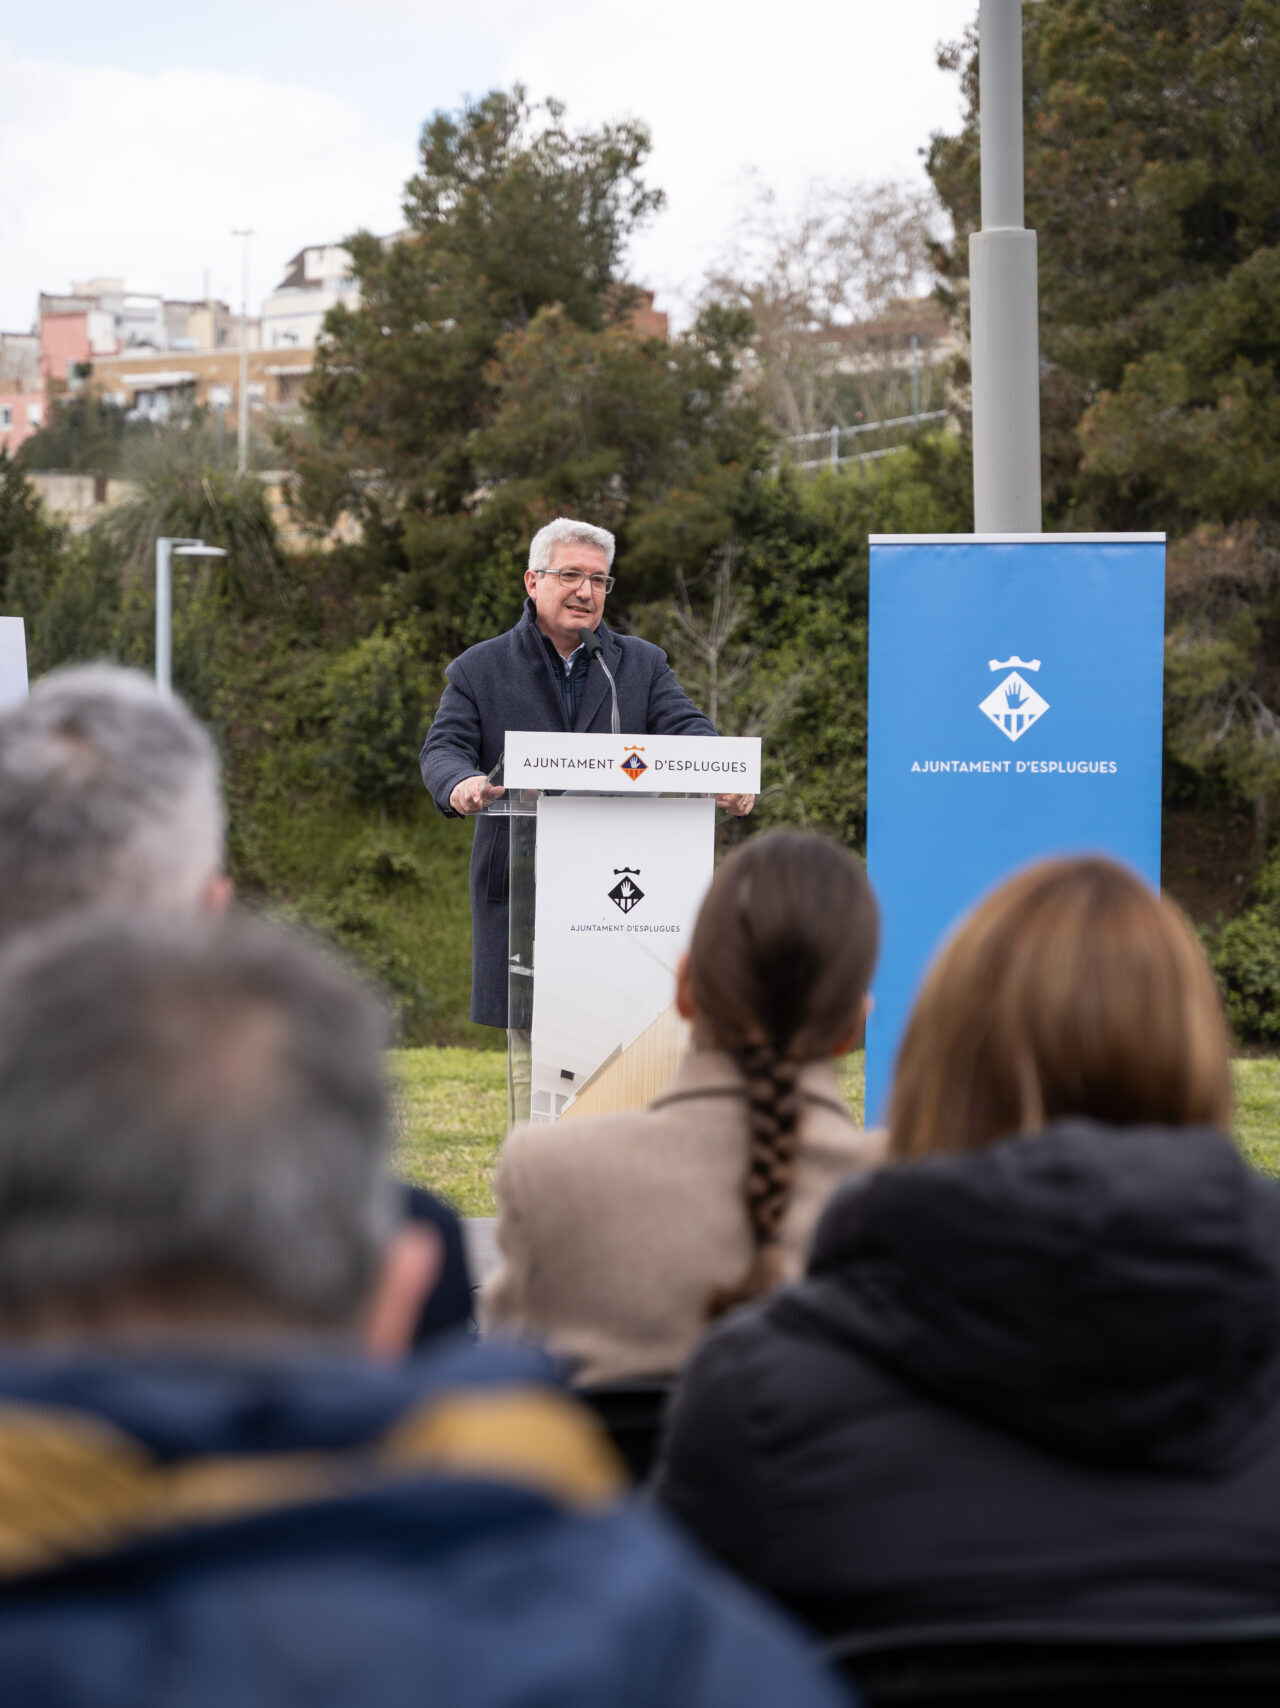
35	414
6	416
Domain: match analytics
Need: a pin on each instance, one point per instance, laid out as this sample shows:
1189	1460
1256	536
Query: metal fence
833	435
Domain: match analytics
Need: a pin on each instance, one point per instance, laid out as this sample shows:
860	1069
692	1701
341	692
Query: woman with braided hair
622	1236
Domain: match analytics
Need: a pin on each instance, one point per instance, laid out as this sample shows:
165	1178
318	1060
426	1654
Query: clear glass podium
611	852
523	815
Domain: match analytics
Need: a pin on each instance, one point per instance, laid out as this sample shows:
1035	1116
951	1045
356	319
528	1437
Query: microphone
595	649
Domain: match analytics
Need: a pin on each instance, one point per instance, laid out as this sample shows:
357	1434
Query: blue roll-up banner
1014	687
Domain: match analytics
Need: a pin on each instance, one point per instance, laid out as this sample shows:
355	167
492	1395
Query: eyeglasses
571	578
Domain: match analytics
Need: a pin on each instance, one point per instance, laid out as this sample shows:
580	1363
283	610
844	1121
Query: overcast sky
134	137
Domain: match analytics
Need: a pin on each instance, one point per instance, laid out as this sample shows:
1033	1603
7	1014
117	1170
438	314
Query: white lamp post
167	548
242	430
1003	299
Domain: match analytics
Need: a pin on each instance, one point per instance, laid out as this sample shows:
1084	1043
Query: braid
774	1106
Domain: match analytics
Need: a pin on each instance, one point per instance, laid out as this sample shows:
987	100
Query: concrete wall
79	499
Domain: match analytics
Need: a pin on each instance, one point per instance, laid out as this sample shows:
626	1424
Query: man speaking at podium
543	674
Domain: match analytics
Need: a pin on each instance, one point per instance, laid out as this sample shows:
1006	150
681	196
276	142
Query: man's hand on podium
474	793
736	805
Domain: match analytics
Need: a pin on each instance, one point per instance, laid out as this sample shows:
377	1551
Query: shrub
369	939
1245	953
378	714
380	864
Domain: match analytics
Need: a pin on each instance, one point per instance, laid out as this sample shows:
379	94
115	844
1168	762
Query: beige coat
614	1230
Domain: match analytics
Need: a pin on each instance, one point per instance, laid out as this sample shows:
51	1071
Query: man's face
562	611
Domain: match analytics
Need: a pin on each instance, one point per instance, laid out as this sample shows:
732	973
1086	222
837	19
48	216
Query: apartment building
315	280
199	364
21	393
157	357
162	384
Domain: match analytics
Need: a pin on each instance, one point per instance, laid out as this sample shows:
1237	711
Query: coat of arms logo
1013	704
625	893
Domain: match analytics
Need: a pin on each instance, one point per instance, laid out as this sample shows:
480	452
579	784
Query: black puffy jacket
1036	1385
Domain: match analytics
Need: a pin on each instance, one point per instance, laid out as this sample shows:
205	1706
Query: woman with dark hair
1032	1376
622	1236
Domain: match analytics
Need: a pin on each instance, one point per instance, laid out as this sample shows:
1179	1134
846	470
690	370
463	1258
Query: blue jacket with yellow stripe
244	1532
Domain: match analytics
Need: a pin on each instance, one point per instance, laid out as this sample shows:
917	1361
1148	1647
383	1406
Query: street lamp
1003	294
242	431
167	548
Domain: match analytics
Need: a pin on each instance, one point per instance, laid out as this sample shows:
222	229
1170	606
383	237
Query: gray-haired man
209	1495
109	799
537	676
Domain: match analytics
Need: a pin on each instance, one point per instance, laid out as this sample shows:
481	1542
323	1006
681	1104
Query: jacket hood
178	1404
102	1455
1110	1294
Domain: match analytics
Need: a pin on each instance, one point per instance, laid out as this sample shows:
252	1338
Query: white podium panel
632	764
618	885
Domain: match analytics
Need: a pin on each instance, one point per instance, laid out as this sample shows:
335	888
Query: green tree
179	491
775	623
509	213
85	434
1222	665
600	424
492	376
71	603
30	543
1153	181
66	589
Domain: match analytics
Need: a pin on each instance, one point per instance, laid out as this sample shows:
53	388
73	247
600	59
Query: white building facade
315	280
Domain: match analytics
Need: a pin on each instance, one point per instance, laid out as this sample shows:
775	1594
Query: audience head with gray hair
109	799
193	1126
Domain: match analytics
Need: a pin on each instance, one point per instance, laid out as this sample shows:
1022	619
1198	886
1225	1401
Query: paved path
482	1246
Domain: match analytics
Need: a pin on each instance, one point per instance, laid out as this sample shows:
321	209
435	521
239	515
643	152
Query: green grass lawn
451	1113
451	1109
1258	1110
331	863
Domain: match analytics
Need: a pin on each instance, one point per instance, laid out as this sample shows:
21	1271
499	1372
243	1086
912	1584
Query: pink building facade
21	413
64	341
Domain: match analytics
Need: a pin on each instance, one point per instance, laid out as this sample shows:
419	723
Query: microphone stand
595	649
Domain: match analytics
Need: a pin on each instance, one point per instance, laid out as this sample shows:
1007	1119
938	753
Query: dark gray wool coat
509	683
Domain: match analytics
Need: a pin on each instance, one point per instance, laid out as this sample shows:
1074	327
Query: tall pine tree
1153	180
